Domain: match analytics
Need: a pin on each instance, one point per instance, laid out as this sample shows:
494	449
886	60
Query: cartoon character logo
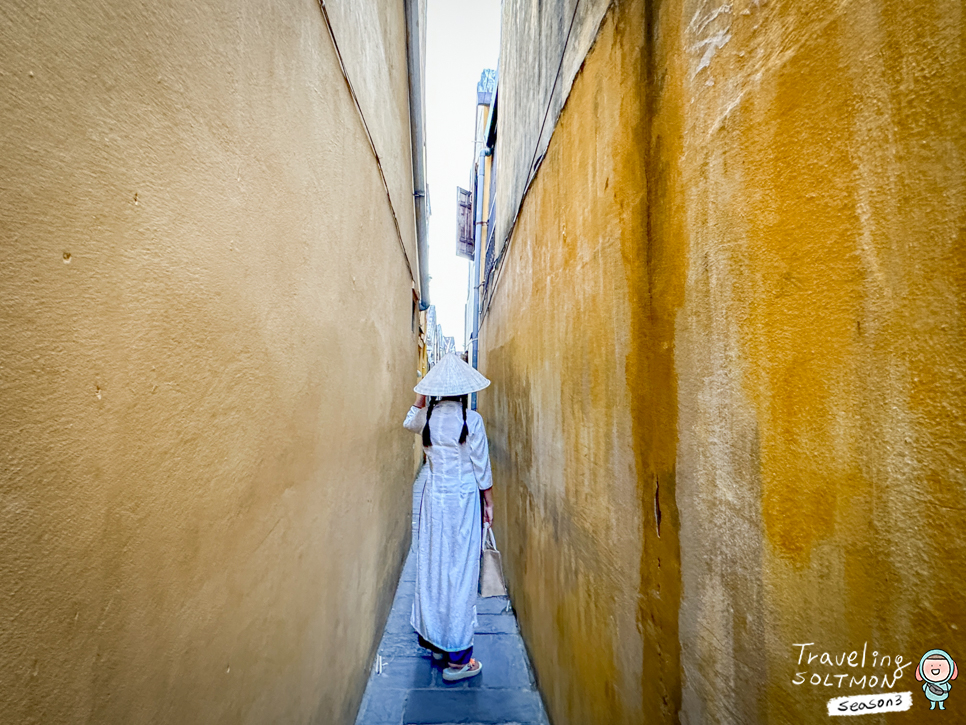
936	669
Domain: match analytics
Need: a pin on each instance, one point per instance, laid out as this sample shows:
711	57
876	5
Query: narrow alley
700	263
406	687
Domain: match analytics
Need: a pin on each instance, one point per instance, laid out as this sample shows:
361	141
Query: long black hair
427	442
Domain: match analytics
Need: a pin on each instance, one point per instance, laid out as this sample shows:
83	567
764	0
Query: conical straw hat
451	376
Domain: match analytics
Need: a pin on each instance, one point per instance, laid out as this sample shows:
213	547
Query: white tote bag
491	567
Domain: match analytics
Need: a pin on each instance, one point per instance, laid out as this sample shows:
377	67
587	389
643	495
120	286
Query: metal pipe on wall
414	16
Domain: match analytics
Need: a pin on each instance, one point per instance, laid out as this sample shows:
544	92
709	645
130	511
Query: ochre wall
206	351
548	41
735	295
580	410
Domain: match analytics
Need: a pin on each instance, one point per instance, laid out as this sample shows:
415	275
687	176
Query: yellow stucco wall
206	351
735	292
573	412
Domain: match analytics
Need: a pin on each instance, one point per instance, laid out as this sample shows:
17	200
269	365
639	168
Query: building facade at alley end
210	328
722	302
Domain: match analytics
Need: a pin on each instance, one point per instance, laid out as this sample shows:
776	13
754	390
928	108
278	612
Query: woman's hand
420	401
488	506
488	514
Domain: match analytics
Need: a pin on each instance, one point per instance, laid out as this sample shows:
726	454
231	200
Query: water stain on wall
743	275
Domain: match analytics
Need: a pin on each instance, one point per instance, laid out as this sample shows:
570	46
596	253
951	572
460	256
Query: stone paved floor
410	689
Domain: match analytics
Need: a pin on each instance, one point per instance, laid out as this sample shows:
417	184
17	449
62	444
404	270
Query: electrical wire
372	145
532	170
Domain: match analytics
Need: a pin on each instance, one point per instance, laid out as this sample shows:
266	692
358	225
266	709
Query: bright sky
462	38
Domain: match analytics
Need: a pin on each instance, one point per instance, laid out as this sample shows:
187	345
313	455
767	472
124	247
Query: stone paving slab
496	624
434	707
493	605
384	707
409	688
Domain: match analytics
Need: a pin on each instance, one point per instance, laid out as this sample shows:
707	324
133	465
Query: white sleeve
415	419
480	453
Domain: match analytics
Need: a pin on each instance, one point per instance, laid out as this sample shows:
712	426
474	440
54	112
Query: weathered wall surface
820	348
581	410
734	304
206	350
537	53
372	38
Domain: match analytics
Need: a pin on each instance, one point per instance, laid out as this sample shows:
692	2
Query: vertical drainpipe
479	241
414	43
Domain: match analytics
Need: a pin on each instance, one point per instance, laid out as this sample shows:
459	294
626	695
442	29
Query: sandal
438	656
452	674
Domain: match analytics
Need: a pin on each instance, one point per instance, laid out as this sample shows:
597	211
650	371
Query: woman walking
450	533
